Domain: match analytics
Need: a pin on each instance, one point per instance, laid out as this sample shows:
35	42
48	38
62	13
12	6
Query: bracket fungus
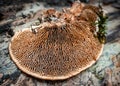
62	46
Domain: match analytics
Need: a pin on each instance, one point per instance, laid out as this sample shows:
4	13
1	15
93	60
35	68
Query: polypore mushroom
60	49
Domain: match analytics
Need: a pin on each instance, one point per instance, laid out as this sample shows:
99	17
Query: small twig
64	10
34	30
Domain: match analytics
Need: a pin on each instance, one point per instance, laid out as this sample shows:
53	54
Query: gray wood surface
105	72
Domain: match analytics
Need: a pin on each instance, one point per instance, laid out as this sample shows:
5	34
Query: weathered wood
106	71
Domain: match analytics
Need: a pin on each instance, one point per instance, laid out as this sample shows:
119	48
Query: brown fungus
59	50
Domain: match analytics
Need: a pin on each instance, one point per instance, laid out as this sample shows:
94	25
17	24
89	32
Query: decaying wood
85	78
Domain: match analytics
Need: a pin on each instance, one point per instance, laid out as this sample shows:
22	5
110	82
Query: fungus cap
57	51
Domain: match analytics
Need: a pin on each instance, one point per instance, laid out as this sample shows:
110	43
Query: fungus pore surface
62	46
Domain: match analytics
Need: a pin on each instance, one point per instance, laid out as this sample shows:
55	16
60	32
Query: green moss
101	34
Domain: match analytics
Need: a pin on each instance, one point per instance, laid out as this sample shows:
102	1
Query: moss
101	34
